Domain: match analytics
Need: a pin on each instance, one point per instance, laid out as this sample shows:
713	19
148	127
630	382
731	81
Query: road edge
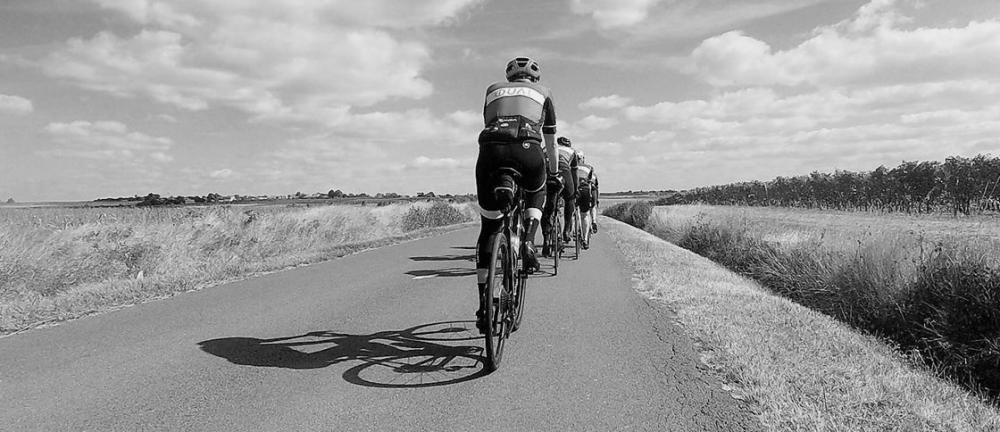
796	368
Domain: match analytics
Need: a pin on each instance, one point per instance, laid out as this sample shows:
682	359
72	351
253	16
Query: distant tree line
154	199
958	185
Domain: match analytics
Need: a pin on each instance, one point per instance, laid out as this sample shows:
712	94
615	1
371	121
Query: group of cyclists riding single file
522	171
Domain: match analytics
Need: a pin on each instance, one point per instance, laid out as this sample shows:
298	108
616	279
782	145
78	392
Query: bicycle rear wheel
556	242
498	286
577	235
518	292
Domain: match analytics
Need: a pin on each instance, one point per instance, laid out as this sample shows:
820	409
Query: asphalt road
381	340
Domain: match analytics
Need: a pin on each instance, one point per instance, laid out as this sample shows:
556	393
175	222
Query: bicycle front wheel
499	282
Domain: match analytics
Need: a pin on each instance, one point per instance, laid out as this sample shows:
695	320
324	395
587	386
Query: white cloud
605	149
15	105
410	128
291	60
424	162
614	13
592	123
652	19
760	133
585	127
872	48
221	174
106	141
605	102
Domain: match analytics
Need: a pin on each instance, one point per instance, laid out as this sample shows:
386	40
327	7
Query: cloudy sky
103	98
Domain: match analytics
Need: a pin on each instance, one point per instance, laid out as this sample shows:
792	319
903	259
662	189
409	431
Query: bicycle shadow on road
427	355
468	257
449	272
445	272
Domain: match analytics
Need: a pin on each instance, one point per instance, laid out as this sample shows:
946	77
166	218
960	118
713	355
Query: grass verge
931	292
800	369
97	262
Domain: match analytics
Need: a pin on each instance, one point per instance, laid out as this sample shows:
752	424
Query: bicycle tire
518	301
556	243
577	235
498	281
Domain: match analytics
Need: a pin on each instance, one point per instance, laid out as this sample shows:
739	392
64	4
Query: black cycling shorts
528	158
586	198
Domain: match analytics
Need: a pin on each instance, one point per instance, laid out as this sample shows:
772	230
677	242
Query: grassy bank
57	264
798	369
930	286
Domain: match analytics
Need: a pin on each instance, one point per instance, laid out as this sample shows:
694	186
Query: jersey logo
527	92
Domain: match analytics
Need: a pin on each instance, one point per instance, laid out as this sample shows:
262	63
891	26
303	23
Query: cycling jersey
516	111
584	173
567	157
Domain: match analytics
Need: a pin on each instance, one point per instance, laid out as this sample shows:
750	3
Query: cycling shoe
530	261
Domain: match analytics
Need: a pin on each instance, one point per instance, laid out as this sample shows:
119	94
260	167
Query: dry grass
57	264
800	369
929	285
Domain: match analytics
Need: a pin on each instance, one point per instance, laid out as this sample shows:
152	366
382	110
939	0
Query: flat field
795	223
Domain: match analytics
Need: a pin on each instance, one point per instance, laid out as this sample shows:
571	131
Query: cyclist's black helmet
564	141
523	67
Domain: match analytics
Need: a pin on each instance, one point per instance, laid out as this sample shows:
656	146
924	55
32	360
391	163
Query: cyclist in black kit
519	116
568	162
587	197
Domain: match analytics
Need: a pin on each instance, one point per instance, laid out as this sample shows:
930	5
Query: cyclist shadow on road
467	257
444	272
422	356
449	272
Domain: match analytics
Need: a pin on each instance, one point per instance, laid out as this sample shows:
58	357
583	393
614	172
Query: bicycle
508	276
553	238
577	232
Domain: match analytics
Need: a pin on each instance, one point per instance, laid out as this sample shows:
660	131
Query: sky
112	98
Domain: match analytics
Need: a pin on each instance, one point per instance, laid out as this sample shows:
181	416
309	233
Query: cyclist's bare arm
551	153
549	134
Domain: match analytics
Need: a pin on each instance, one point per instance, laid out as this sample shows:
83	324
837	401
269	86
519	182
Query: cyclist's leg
531	160
490	215
569	200
550	205
585	218
593	210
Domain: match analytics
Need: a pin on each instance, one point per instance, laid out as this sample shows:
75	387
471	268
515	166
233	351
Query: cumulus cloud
106	141
762	133
614	13
605	102
875	89
650	19
422	162
221	174
15	105
592	123
872	48
290	60
371	153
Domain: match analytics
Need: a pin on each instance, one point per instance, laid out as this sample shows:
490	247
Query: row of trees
959	185
154	199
